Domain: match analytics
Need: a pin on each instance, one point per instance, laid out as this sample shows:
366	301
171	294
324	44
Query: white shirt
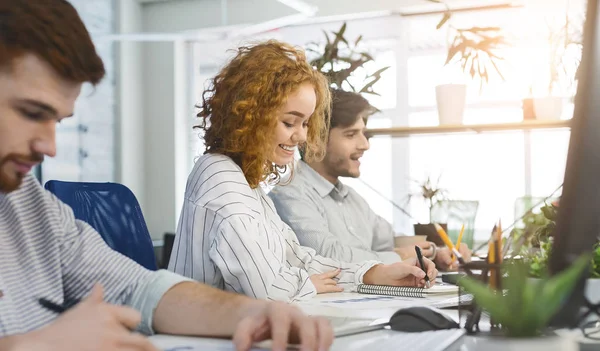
230	236
45	252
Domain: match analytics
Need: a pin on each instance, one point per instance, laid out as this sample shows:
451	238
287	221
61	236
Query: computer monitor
578	222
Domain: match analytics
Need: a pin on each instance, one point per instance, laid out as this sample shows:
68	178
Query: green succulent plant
525	306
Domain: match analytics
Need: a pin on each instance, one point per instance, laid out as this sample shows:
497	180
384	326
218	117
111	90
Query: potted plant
475	50
535	242
523	308
537	226
431	193
341	59
562	72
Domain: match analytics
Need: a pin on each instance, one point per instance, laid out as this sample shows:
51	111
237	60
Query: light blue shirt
333	219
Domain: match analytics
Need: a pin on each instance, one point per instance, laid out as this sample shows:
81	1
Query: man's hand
407	252
444	261
282	323
324	282
405	273
92	325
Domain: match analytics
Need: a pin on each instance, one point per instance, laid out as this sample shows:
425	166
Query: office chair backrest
114	212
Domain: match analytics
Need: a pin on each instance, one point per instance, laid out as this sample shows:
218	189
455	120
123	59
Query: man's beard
339	167
9	182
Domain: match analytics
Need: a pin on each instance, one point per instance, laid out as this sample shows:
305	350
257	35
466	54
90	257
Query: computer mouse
419	319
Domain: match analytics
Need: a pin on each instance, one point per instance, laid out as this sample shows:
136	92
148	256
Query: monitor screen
578	222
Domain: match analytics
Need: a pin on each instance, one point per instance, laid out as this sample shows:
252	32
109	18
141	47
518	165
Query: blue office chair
114	212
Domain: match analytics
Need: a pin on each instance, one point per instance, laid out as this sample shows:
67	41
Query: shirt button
339	204
351	228
1	294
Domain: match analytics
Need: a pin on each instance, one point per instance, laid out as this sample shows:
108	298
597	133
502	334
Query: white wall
85	144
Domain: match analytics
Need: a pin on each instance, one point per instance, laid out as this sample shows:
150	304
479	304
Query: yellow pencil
442	233
462	230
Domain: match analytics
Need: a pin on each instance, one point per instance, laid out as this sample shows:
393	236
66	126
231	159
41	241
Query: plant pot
528	109
592	290
548	108
428	229
451	99
541	343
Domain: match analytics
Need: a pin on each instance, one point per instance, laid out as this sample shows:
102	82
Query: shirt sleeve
87	260
312	229
249	267
351	274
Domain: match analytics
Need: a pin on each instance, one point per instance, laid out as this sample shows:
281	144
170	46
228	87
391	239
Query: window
492	167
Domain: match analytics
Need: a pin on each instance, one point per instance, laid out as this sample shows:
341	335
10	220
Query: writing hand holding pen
405	273
91	325
420	259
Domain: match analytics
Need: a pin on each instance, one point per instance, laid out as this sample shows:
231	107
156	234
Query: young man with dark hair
331	217
45	55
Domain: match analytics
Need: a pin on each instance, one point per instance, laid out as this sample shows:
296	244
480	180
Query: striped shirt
230	236
45	252
334	220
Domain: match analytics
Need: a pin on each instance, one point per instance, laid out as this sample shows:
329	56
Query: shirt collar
320	184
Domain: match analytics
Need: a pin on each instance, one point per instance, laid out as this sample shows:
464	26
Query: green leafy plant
538	261
341	58
525	307
538	226
534	242
474	48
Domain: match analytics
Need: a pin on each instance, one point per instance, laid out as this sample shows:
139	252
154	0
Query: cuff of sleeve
148	294
362	270
308	292
389	257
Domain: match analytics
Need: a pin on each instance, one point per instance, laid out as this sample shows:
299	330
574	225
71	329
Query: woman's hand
405	273
325	283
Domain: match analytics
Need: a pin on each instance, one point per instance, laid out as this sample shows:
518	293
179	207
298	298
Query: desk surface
568	341
359	341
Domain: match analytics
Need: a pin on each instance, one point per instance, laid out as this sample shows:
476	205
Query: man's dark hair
53	31
347	107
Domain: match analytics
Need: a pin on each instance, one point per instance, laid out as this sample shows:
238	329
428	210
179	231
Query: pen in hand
420	258
54	307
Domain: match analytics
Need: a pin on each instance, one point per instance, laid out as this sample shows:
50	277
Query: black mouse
419	319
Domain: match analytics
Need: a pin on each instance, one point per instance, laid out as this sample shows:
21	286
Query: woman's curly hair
240	108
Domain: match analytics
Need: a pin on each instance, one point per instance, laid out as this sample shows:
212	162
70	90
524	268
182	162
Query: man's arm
12	343
191	308
312	229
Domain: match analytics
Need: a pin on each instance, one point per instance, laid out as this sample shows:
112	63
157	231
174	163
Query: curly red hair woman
244	103
264	104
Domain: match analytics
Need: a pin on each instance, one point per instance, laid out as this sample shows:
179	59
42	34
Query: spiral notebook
407	291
